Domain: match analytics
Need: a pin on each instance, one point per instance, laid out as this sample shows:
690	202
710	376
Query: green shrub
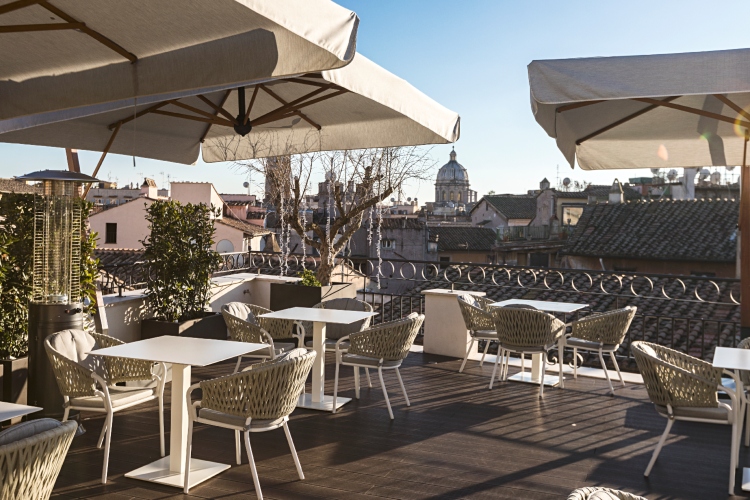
308	278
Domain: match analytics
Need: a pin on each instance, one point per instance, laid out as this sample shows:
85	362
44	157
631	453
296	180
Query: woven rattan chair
598	332
258	399
744	376
244	326
31	455
685	388
283	330
598	493
87	382
525	330
384	346
478	320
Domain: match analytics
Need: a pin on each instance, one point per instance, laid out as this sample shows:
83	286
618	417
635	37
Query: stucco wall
195	193
485	211
131	224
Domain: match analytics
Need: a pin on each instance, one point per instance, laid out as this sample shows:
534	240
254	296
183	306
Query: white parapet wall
125	313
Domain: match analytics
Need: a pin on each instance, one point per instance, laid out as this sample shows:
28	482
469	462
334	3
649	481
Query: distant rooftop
453	238
14	186
513	206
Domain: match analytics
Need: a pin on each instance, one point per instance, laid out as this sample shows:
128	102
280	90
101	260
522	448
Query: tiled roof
14	186
237	203
117	256
576	195
401	223
664	230
456	238
513	206
253	229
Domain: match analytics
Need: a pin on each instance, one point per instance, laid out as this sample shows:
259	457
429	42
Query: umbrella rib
221	106
694	111
288	107
219	109
92	33
104	155
576	105
732	105
21	28
138	114
284	110
250	106
622	120
214	121
193	109
296	112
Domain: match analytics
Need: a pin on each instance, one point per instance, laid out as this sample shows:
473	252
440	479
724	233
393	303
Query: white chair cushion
120	396
589	344
225	418
241	310
719	413
355	359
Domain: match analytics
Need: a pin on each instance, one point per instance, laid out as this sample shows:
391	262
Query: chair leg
188	453
494	370
293	450
237	450
606	373
507	363
463	363
101	434
575	363
237	366
663	438
747	425
385	393
65	414
162	448
335	386
617	367
256	481
108	439
733	461
356	382
523	363
541	380
369	380
403	389
486	348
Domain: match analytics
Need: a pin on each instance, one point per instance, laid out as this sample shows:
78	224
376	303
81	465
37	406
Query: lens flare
662	152
739	129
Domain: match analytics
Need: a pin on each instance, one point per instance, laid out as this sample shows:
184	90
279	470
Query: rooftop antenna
557	181
162	179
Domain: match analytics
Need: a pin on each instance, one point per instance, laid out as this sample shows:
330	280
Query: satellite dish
729	169
408	199
655	171
566	182
672	175
246	184
393	200
705	173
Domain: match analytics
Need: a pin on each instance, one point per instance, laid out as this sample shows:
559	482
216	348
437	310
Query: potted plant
307	292
179	264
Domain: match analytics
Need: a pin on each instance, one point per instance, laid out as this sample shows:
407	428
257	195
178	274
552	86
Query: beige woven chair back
598	493
268	390
744	374
335	332
239	310
525	327
476	317
29	467
66	351
674	378
388	341
610	327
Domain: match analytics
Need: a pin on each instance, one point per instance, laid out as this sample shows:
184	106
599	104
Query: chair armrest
339	342
606	328
73	379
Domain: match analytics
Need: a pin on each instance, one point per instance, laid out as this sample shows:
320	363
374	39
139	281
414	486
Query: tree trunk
325	270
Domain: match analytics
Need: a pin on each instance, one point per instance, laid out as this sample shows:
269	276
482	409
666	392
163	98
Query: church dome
452	171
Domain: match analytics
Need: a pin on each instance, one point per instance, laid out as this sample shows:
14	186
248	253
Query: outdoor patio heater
56	292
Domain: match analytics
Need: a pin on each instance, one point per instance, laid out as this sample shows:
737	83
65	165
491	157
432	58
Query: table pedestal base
158	472
305	401
527	377
746	479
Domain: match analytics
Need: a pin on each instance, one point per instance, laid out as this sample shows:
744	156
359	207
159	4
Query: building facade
452	189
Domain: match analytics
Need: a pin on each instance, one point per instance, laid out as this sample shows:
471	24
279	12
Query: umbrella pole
745	243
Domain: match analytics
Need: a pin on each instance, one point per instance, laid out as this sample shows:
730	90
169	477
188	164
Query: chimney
616	194
544	184
689	183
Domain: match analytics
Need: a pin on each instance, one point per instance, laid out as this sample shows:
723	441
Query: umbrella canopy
358	106
654	111
58	55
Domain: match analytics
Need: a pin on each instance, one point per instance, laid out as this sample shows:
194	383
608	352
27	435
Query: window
387	243
571	214
444	262
443	195
451	195
111	233
459	196
539	260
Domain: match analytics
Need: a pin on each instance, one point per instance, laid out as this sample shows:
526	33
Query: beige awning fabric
653	111
358	106
59	59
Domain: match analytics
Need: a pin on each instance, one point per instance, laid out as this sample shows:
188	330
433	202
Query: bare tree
356	182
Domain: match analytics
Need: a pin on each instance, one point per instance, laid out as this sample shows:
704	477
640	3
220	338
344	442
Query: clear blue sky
471	56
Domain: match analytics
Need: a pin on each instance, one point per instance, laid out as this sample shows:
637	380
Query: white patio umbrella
60	55
655	111
358	106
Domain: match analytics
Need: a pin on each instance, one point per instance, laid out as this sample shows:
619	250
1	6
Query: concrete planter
286	295
211	326
15	376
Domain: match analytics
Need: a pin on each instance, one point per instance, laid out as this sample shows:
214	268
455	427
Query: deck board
457	440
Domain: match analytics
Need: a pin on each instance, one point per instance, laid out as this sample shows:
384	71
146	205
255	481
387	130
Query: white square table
9	411
182	353
537	360
319	318
731	358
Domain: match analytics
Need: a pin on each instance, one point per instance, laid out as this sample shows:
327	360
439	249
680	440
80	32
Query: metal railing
523	233
692	314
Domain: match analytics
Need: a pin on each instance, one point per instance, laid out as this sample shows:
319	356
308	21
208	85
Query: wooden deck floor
457	440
